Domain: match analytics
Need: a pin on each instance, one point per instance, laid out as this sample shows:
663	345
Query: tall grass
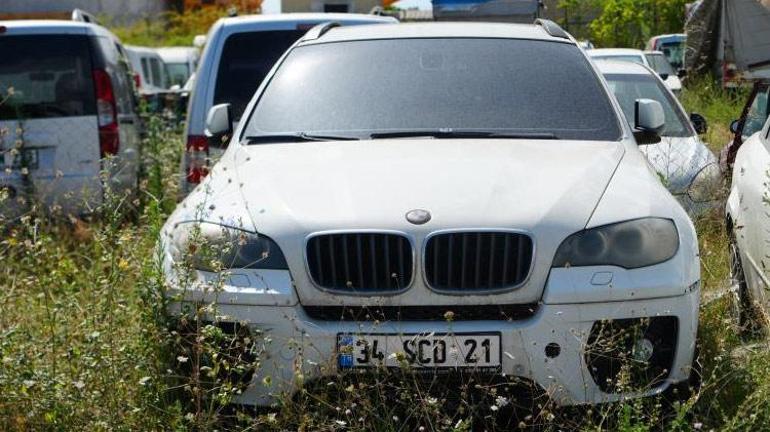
85	342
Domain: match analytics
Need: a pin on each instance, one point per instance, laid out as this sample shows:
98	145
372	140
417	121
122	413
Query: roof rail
552	28
83	16
320	30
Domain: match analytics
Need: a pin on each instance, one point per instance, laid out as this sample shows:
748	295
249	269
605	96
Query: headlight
632	244
212	247
706	185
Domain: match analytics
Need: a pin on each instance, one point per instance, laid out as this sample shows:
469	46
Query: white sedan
686	166
749	226
651	59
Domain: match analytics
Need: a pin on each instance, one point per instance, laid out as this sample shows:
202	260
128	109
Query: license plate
431	351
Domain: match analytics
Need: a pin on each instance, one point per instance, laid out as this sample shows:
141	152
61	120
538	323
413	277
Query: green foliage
170	28
625	23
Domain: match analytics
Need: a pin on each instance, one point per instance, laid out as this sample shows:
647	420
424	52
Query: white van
150	73
67	103
180	63
239	53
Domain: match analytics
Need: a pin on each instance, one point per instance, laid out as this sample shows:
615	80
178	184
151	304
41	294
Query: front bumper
300	346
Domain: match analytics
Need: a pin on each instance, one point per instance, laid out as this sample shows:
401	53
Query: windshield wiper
448	134
296	137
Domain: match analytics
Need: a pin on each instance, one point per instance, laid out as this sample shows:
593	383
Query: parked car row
370	179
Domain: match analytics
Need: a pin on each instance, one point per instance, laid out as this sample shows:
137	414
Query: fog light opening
643	350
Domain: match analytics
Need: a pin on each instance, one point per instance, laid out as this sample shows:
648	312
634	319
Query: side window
757	115
157	78
146	71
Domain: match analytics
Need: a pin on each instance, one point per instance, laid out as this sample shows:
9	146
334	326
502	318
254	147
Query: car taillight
197	155
106	114
729	74
137	80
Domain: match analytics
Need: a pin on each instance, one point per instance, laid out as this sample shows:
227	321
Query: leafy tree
624	23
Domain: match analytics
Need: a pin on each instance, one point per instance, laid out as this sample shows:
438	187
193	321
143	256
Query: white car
150	73
457	210
181	63
66	104
640	57
749	226
682	161
239	53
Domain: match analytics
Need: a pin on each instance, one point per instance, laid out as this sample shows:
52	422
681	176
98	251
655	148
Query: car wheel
741	307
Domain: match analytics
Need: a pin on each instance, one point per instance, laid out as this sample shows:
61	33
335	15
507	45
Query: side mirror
649	120
734	126
699	123
664	76
681	73
219	125
199	41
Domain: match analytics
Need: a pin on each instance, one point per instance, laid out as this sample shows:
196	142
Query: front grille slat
491	272
387	262
319	264
400	259
477	267
360	262
506	257
488	260
333	260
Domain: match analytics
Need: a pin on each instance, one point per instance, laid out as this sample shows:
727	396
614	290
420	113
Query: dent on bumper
298	343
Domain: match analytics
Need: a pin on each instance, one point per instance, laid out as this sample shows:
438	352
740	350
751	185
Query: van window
46	76
157	77
246	60
146	71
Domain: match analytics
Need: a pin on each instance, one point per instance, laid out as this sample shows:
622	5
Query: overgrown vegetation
169	29
622	23
85	343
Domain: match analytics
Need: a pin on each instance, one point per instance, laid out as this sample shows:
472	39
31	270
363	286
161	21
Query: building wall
353	6
121	11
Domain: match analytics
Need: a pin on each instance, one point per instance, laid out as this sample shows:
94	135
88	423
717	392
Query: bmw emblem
418	216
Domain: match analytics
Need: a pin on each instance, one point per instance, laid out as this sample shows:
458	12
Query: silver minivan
238	55
67	104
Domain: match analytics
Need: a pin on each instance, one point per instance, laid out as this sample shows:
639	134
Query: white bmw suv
453	197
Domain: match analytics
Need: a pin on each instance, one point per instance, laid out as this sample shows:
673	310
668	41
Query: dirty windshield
512	87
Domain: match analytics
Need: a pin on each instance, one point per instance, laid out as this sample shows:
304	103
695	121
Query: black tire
741	305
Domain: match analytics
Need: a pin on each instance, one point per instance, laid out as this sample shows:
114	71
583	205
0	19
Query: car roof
248	22
436	30
622	67
30	27
601	52
176	54
135	49
672	36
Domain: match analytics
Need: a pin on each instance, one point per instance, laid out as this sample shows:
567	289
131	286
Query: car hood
677	160
289	191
